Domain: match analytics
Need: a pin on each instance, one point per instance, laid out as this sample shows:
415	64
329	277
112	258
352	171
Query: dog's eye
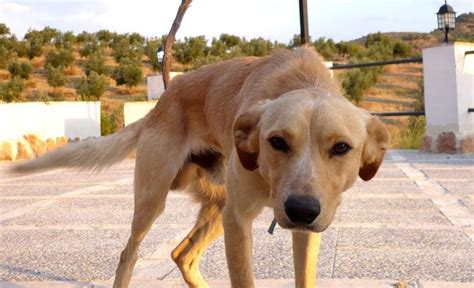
340	148
279	143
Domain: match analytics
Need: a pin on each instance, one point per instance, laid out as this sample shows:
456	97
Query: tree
128	73
402	49
259	47
5	55
357	81
90	47
92	87
96	63
151	47
190	50
124	49
4	30
35	47
170	40
11	91
21	70
326	48
55	76
61	57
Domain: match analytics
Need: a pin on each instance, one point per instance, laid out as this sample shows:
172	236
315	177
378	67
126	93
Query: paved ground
414	222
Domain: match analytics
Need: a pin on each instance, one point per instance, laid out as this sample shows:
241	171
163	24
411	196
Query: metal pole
378	63
304	22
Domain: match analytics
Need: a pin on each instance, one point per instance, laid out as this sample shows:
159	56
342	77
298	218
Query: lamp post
446	20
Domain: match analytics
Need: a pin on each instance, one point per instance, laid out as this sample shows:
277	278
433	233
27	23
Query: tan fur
212	126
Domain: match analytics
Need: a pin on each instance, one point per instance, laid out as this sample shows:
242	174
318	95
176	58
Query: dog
240	135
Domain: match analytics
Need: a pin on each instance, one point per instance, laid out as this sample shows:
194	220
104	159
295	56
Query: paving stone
390	263
393	217
68	255
371	204
390	173
469	202
450	173
404	239
375	186
272	256
461	189
98	212
10	205
78	178
44	189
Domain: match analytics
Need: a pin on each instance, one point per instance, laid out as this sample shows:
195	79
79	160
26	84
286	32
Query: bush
92	87
96	63
4	56
124	49
62	57
111	122
11	91
411	135
150	51
35	47
22	49
22	70
90	48
355	82
55	76
129	73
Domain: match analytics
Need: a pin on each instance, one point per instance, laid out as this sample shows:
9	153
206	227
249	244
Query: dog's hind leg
159	159
207	228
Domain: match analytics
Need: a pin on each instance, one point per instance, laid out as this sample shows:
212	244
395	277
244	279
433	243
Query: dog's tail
91	154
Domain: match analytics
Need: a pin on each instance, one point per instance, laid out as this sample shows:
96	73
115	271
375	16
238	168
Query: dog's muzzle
302	210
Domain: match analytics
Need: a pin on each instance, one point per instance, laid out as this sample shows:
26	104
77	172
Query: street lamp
159	54
446	20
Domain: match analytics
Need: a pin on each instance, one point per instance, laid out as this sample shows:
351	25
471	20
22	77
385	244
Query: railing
336	66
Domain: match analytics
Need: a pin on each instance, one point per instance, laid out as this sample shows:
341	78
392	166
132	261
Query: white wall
132	111
49	120
449	89
155	84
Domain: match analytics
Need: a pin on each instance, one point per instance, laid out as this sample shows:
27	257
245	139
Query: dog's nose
302	209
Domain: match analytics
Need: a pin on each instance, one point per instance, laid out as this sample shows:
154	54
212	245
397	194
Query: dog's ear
246	133
374	149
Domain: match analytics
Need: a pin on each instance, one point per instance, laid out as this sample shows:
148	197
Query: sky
270	19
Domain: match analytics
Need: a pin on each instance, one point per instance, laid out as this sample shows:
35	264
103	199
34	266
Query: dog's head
309	147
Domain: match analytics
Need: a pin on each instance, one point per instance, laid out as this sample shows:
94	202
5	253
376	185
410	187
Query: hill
109	66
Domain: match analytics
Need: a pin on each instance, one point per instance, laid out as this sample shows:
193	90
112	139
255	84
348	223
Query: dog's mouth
314	227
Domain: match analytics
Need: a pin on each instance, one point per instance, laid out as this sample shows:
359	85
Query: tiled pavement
413	222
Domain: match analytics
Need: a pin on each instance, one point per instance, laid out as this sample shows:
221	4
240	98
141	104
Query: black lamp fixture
159	54
446	20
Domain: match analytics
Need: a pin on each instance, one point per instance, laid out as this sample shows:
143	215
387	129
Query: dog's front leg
238	246
305	257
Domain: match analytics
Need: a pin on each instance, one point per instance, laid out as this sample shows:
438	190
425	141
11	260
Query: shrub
11	91
355	82
35	47
61	57
129	73
4	56
124	49
55	76
22	49
411	135
150	51
22	70
111	122
92	87
90	48
96	63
